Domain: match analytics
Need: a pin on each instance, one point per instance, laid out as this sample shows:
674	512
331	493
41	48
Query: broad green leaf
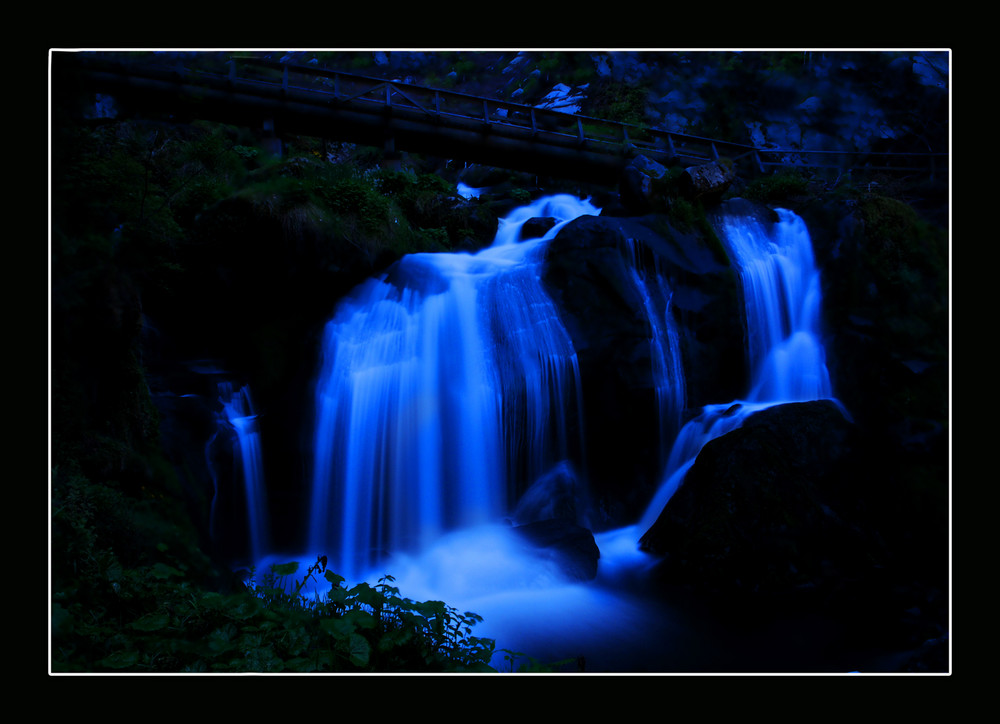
121	659
163	571
212	600
262	659
333	578
391	639
285	569
246	608
366	595
300	664
325	660
336	596
360	619
222	639
151	622
337	627
358	650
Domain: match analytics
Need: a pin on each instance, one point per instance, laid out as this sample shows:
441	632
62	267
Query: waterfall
448	401
238	420
782	305
665	353
781	309
445	384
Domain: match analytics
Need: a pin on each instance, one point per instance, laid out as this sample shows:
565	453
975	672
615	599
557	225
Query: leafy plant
153	619
777	187
617	100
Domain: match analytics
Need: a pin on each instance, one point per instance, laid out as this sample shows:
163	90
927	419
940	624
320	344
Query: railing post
284	79
534	126
579	130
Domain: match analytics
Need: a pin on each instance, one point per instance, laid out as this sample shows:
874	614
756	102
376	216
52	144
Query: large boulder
782	502
589	273
572	546
709	180
636	187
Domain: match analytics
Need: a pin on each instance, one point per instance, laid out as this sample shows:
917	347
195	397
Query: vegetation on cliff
149	221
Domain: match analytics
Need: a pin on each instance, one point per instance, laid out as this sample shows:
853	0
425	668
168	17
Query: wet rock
774	505
588	275
707	180
537	227
573	546
636	188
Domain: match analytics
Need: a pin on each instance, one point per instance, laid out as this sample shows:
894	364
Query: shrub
777	187
152	619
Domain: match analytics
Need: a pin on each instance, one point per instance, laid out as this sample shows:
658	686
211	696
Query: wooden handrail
497	115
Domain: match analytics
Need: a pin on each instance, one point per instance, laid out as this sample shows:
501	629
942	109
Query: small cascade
665	352
782	302
237	422
447	383
787	362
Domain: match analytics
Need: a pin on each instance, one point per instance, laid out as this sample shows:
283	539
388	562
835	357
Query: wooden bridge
396	116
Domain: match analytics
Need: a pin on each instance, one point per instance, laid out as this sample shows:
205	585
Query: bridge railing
490	114
323	87
500	116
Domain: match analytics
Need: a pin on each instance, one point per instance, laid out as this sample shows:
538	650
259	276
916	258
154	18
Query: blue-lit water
444	383
448	402
782	303
237	421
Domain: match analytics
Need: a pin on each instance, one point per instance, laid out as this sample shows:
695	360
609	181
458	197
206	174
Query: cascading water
238	420
665	353
445	383
449	398
782	304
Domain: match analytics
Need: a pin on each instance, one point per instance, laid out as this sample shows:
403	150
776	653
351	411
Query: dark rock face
571	545
636	188
588	274
707	180
779	503
557	494
536	227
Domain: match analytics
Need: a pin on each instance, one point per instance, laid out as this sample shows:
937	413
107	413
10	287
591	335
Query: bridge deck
331	104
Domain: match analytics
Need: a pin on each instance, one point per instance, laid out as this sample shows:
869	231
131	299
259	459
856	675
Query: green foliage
121	604
907	260
464	66
683	213
777	187
616	100
419	196
151	619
